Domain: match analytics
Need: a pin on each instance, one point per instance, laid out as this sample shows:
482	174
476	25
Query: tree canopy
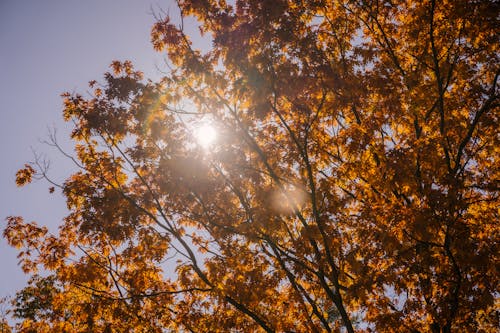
353	184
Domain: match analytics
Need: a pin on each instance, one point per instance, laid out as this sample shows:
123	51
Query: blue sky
46	48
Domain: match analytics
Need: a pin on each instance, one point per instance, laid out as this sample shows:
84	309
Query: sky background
46	48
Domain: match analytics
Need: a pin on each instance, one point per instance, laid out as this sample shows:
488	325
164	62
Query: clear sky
46	48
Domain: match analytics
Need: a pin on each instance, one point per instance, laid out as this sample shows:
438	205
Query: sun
205	135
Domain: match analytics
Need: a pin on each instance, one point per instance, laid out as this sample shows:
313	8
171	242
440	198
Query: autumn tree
353	184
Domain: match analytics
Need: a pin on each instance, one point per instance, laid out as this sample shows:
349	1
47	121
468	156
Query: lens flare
205	135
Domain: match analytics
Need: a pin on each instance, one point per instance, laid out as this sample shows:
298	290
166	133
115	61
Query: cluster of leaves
354	183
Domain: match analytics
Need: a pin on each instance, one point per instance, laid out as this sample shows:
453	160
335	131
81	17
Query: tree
354	184
4	324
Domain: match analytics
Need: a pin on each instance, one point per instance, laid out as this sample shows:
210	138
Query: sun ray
205	135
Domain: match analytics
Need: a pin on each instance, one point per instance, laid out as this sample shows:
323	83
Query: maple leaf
25	175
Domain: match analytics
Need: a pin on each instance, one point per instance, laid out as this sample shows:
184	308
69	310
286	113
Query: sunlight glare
205	135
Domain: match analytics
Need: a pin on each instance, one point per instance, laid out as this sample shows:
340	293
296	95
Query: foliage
354	182
4	326
34	301
4	323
